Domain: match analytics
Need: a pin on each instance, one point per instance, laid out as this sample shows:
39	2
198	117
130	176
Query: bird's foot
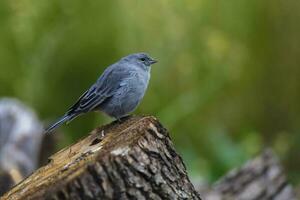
124	118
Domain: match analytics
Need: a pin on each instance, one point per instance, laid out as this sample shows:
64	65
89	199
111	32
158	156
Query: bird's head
140	59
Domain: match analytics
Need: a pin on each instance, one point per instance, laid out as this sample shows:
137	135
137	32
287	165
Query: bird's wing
105	87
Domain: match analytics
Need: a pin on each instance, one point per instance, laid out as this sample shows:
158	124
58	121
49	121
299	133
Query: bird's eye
143	59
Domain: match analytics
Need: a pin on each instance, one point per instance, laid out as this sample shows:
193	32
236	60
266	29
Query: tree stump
260	178
134	159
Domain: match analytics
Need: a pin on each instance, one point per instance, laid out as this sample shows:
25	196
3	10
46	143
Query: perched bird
117	92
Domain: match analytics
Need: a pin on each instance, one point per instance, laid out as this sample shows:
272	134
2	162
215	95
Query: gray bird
117	92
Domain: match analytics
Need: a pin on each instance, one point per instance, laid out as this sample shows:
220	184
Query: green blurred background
226	85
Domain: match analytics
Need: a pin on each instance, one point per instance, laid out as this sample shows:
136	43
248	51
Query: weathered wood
260	178
134	159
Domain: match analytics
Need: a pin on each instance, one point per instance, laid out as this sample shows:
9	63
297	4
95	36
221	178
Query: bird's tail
66	118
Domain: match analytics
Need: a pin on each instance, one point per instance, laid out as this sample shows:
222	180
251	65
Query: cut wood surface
259	179
132	159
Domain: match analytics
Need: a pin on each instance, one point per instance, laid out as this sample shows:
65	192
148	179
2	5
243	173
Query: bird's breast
137	79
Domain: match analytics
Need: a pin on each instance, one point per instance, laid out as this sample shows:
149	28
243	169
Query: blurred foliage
226	85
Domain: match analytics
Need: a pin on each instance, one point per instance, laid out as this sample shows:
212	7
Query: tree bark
260	178
134	159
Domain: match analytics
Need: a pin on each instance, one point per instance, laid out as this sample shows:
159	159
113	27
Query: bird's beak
153	61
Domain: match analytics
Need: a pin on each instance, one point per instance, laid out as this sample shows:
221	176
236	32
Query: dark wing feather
105	87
